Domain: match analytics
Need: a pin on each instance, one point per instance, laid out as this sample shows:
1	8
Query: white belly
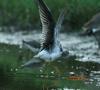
50	56
56	53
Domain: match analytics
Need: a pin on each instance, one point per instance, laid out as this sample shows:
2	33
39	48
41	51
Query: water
68	74
85	48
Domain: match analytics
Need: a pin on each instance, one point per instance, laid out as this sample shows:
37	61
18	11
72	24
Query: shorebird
51	48
92	27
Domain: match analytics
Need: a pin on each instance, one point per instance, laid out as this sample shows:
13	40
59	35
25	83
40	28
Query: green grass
24	14
12	57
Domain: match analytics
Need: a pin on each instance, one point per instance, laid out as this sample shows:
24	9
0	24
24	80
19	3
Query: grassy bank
23	14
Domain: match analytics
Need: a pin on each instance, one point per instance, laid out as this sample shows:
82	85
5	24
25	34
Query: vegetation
23	14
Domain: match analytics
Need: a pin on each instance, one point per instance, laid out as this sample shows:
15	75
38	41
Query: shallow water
85	48
66	74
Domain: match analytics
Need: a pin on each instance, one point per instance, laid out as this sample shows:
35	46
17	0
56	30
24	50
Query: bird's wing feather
26	45
47	25
32	62
59	24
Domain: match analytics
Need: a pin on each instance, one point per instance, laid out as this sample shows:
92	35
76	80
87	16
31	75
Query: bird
31	45
92	27
50	48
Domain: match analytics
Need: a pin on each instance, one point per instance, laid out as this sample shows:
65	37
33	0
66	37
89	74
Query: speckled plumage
50	44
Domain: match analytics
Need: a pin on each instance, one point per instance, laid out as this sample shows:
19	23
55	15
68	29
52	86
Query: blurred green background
23	14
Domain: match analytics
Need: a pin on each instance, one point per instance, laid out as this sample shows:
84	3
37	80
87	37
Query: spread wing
47	25
59	24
